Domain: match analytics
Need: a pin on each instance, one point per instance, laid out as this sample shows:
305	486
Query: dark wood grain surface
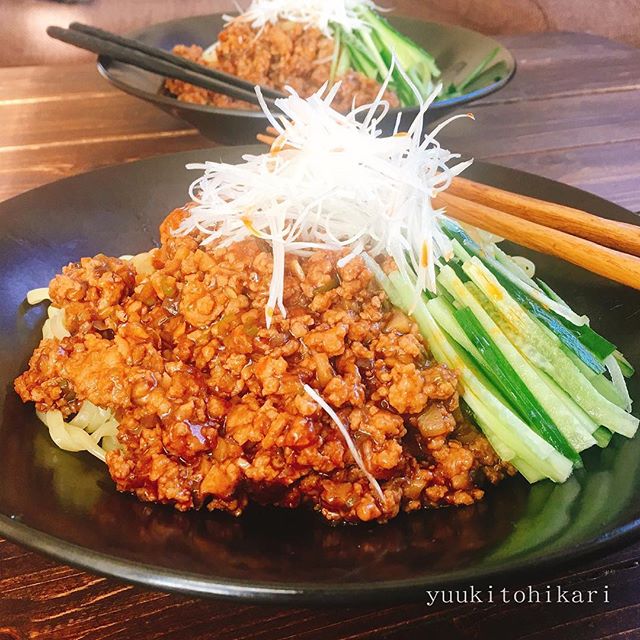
571	114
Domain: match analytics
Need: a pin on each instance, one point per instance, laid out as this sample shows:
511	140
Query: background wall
22	22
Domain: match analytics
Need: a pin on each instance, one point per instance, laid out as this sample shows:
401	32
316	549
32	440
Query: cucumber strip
338	52
373	53
492	413
443	313
605	387
383	280
557	364
399	83
550	292
572	422
501	425
541	357
602	385
359	55
536	294
588	424
553	323
522	398
453	230
603	437
457	234
521	341
528	445
508	262
479	70
341	62
592	340
486	420
580	435
460	252
529	347
530	474
408	53
441	292
586	371
360	61
387	47
618	381
457	267
529	395
625	365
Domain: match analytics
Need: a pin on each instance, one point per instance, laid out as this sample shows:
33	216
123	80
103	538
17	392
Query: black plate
65	505
458	51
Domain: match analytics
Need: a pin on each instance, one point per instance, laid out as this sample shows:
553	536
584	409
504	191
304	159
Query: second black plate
457	51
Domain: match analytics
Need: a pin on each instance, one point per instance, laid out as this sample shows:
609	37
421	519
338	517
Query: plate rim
103	62
300	593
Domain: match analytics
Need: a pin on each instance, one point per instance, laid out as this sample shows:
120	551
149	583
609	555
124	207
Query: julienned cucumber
509	278
541	308
529	393
555	362
538	360
505	429
521	398
536	400
376	49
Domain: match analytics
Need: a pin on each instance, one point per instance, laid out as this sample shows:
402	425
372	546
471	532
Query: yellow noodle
93	428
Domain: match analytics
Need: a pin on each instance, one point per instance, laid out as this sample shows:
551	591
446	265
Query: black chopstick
169	57
160	66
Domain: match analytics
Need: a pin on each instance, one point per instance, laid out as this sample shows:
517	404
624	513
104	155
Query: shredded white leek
311	13
347	438
526	265
332	181
618	380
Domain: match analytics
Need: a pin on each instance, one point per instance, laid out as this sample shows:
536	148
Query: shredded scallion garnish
332	182
314	395
322	14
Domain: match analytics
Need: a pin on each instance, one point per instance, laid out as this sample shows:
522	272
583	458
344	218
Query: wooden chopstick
614	265
138	45
160	66
617	235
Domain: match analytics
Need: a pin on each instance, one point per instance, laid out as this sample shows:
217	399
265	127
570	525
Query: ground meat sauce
211	404
279	55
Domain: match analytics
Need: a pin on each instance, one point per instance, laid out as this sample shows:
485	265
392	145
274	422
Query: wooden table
571	114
